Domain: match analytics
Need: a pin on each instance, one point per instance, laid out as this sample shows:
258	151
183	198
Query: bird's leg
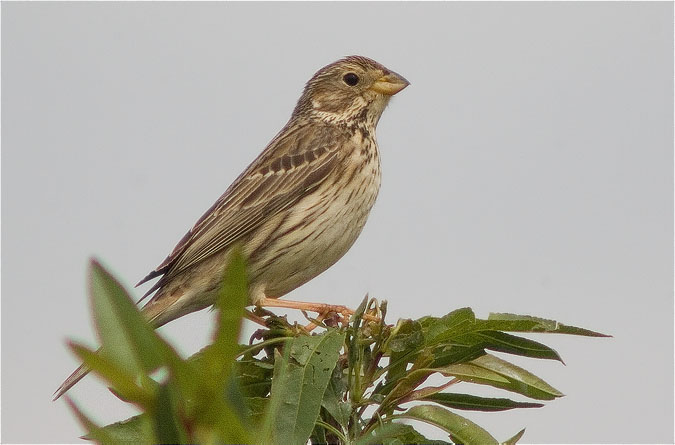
320	308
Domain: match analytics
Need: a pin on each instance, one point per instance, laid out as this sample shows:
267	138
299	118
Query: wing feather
294	163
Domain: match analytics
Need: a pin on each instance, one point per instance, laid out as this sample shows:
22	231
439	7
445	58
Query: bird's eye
351	79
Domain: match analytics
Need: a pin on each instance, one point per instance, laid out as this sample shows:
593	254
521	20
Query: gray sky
527	169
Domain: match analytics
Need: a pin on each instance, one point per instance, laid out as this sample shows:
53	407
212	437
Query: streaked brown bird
295	210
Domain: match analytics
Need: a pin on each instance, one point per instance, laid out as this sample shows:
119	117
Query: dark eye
351	79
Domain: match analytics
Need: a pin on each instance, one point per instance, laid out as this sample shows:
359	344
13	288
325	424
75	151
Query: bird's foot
324	310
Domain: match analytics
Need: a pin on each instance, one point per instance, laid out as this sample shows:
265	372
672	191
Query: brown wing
291	166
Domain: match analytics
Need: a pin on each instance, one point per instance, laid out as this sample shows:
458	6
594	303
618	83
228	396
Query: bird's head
351	91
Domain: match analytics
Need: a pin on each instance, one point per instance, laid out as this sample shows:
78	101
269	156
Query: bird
295	210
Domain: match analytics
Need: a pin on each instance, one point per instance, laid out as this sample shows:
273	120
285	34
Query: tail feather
72	379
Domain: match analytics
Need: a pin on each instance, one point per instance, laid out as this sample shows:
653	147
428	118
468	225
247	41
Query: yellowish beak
389	84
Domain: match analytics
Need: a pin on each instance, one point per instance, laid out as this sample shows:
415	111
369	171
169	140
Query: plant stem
262	344
332	429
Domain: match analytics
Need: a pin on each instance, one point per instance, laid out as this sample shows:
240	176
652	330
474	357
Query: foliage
353	384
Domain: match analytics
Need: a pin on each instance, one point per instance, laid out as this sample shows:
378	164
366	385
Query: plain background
527	169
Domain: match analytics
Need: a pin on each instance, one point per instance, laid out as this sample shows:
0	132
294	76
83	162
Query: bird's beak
389	84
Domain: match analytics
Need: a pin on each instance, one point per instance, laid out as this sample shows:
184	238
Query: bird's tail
72	379
157	311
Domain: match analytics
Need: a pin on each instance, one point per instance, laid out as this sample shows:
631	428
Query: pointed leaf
236	401
396	434
511	344
406	335
475	403
359	311
231	302
514	440
439	329
165	419
219	423
300	383
493	371
217	358
254	377
332	401
94	431
470	372
123	383
127	339
448	355
526	323
222	415
518	375
135	430
403	346
256	407
276	399
405	386
460	428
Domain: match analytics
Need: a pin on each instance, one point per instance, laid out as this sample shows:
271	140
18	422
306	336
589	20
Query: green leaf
300	383
518	375
231	302
236	400
254	376
126	337
117	377
276	401
460	428
511	344
219	423
470	372
333	402
526	323
456	322
96	433
165	419
359	311
514	440
217	358
404	386
218	406
493	371
403	346
256	407
406	335
355	351
475	403
391	433
450	354
136	430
